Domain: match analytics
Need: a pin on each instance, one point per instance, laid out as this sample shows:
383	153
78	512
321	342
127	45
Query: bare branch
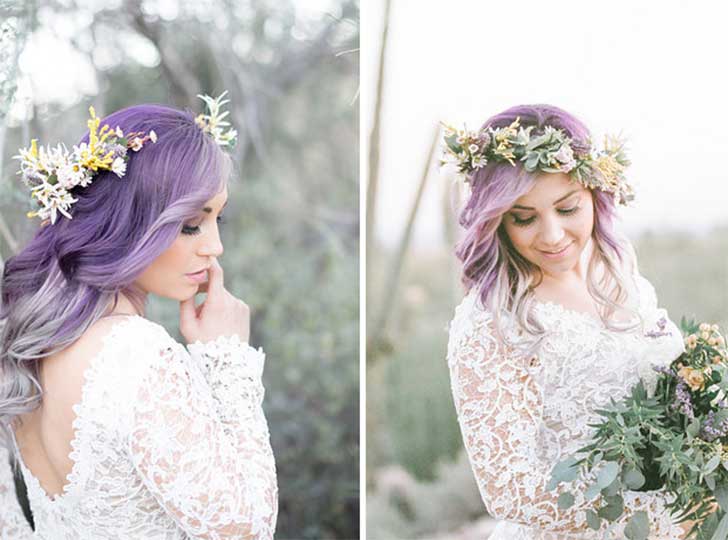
372	184
390	291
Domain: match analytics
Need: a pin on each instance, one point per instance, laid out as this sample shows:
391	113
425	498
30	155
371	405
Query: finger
215	285
187	313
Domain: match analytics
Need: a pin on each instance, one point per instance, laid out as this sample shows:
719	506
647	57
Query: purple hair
72	272
490	262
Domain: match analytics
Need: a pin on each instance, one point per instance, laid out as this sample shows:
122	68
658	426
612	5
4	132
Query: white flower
53	199
119	167
153	136
136	144
70	175
473	148
86	179
119	133
565	154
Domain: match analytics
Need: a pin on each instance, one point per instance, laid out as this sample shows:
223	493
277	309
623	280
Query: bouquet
671	436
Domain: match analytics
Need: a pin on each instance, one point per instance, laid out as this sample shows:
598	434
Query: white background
654	71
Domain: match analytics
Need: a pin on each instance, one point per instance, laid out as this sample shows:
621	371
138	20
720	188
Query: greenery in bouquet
672	435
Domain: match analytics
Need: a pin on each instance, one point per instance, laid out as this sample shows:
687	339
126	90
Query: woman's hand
220	314
687	525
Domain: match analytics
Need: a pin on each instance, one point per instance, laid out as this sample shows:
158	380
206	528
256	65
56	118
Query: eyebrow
519	207
209	210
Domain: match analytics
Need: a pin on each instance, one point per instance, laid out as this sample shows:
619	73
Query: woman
120	431
556	319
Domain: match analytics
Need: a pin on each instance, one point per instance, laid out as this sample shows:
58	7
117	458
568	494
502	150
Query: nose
211	245
552	232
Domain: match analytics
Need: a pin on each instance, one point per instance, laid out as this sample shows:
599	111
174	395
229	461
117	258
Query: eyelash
527	222
192	231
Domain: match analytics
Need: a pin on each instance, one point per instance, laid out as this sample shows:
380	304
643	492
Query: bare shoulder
62	373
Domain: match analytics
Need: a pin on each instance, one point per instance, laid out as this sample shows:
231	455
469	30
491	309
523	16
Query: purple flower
682	402
661	323
710	431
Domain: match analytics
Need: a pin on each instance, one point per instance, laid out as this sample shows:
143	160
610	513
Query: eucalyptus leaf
566	501
712	464
721	533
634	479
592	491
608	473
593	520
638	527
721	495
710	482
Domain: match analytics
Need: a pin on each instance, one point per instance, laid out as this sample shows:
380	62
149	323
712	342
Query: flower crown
213	122
550	152
51	173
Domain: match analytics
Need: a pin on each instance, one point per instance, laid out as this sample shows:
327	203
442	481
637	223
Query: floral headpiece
213	122
51	173
550	152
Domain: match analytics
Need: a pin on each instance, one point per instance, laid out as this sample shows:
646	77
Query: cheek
521	237
585	222
170	263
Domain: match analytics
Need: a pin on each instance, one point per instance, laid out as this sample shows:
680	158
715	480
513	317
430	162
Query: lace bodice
170	443
520	413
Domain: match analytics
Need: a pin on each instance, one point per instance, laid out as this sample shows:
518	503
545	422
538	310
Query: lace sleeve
499	407
12	521
200	441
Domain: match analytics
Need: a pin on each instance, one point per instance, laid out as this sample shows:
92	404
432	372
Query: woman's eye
568	211
189	229
522	222
195	229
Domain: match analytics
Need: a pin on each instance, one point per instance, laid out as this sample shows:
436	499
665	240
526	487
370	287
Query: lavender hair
72	272
491	265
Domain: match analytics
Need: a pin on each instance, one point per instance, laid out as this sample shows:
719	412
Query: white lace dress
521	415
170	443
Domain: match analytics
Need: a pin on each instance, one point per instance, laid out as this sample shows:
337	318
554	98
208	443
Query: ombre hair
72	272
502	277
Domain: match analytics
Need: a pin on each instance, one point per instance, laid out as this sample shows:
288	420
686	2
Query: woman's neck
124	306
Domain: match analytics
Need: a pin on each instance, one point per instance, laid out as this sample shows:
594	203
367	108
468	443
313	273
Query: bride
556	319
118	430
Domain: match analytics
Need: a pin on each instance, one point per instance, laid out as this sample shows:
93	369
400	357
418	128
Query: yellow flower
693	377
704	335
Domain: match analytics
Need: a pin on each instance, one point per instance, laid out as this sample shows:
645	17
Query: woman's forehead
549	189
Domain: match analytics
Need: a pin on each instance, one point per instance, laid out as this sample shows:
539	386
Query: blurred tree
291	242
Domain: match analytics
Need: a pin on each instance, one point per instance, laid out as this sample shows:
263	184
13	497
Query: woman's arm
12	521
200	441
499	406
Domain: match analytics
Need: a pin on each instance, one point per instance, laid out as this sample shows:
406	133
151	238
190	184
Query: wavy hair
504	279
72	272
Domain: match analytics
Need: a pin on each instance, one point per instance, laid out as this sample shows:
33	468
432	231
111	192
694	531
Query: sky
652	71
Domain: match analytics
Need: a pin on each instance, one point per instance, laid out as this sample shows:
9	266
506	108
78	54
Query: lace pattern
12	521
519	415
170	444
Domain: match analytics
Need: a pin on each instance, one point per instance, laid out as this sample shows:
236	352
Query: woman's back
44	435
143	441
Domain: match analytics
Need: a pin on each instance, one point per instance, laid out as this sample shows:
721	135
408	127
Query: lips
555	251
556	254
